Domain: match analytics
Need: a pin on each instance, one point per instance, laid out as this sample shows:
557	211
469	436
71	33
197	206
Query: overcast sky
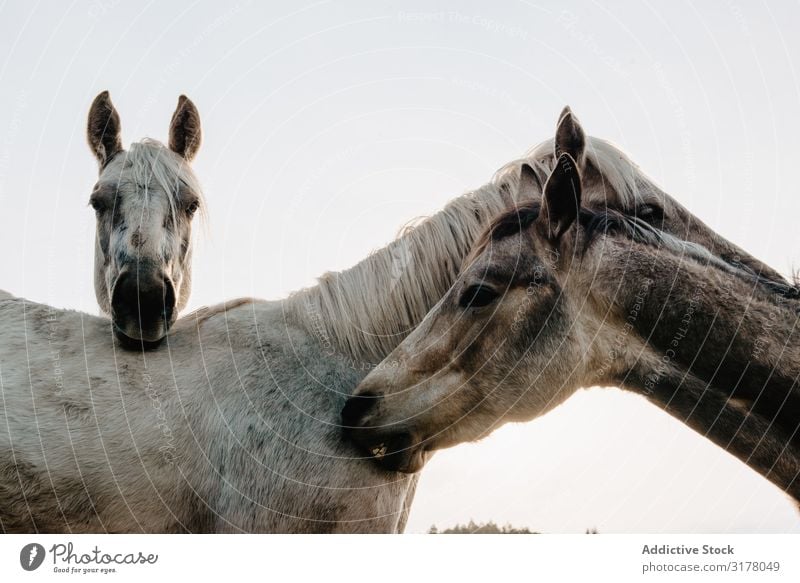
329	125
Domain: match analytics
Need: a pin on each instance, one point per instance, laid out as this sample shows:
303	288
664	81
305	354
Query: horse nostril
357	407
169	300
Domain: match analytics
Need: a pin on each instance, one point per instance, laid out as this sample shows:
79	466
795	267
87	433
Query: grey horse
145	200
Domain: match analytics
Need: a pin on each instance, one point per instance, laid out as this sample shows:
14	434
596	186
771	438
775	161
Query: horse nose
356	408
143	303
394	448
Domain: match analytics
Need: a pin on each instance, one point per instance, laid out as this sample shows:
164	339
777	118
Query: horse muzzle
394	448
142	307
398	452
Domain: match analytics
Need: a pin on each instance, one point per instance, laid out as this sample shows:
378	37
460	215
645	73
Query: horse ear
185	134
103	129
570	138
562	199
529	185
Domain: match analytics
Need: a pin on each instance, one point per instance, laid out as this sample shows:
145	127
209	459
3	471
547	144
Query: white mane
364	312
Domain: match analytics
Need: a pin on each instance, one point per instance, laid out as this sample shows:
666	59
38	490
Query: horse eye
651	213
478	296
192	207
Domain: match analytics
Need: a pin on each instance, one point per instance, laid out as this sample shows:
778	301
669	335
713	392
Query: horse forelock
149	166
147	190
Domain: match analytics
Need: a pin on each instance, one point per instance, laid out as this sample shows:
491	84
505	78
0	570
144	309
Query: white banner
350	559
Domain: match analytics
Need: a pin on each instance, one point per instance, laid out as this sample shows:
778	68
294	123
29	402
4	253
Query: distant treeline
484	528
489	528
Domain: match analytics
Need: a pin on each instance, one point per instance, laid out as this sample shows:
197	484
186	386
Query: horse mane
150	161
366	311
637	229
596	223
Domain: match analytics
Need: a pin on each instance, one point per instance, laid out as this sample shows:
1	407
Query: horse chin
140	339
414	461
142	307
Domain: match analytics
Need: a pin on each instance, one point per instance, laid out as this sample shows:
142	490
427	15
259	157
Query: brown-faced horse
556	297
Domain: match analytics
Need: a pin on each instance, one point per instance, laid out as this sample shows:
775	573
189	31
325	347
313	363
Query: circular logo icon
31	556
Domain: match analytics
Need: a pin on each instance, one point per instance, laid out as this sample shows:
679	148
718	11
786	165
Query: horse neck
609	170
364	312
721	354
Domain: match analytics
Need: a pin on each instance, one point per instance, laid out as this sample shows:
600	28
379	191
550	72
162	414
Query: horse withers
145	200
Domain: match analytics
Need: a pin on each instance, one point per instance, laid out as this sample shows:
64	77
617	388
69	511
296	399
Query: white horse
234	423
145	200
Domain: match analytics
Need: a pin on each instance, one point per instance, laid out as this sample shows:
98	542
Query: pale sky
328	125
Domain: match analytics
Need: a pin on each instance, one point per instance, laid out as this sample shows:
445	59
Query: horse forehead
130	176
510	257
139	206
